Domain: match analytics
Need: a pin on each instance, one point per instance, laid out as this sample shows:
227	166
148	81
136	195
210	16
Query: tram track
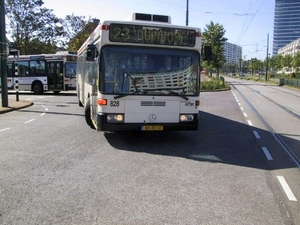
295	159
277	104
284	92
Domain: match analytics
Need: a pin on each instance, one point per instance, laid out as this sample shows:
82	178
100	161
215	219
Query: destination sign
151	35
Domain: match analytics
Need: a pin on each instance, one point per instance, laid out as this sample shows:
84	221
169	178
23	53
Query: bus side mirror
207	53
92	53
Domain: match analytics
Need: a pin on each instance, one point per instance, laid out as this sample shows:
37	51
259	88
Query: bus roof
57	55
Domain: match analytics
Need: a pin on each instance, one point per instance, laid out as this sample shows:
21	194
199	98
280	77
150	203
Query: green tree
30	23
277	62
255	65
287	61
213	35
296	61
76	41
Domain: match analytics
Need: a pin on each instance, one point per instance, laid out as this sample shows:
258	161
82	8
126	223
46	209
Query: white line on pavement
4	129
249	122
256	134
267	153
29	121
286	189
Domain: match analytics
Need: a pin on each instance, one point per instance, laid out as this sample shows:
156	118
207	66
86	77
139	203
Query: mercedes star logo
152	117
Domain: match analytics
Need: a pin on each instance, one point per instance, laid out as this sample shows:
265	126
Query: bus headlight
186	118
115	118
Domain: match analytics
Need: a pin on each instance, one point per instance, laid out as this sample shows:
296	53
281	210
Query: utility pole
187	13
267	59
3	55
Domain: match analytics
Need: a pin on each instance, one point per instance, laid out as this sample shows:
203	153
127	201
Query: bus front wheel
87	113
37	88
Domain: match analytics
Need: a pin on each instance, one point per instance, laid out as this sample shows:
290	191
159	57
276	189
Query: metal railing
289	82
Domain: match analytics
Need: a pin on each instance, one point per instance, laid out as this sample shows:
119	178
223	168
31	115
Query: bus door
55	75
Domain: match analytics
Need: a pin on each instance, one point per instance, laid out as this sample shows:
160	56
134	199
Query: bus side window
9	67
23	68
37	67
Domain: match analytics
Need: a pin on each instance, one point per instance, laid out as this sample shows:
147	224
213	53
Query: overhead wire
241	35
239	38
252	19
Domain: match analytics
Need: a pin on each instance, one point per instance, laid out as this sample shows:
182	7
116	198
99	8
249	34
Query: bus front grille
152	103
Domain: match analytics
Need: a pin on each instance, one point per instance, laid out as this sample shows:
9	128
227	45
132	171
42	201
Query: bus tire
37	88
87	113
56	92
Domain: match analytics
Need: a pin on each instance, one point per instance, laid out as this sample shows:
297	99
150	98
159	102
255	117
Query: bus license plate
152	128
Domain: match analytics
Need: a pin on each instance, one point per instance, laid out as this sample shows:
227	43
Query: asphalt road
56	170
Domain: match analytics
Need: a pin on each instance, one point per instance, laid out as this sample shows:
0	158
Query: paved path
14	105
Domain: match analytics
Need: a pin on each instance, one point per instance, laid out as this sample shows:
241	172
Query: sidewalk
14	105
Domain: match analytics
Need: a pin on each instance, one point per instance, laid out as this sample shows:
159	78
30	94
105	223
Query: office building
286	23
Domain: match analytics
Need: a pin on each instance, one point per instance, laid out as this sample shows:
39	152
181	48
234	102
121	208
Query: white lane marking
267	153
29	121
249	122
245	115
4	129
242	108
42	114
46	109
286	189
256	134
239	104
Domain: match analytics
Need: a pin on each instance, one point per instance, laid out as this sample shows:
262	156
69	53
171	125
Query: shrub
213	84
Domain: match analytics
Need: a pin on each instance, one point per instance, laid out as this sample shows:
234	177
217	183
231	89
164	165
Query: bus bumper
102	125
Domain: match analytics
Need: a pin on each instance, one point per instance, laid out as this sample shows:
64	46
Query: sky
248	23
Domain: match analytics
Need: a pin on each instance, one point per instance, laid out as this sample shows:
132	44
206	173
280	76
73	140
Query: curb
10	109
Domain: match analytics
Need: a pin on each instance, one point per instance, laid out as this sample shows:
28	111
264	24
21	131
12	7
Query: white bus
121	81
44	72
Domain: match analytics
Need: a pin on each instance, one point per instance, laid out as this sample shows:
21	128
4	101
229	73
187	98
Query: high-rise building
286	23
232	52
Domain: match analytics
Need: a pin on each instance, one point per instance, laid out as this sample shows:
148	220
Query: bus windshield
70	69
143	70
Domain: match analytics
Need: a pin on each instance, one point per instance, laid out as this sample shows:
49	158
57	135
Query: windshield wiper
170	92
134	80
120	96
177	94
124	95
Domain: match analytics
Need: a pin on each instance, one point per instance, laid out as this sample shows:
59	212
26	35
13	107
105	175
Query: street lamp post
3	55
267	59
187	13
